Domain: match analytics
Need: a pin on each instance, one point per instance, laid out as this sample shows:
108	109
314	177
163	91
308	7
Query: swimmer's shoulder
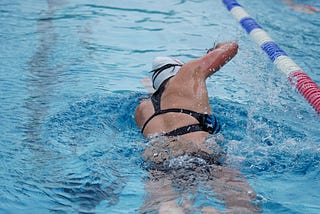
143	111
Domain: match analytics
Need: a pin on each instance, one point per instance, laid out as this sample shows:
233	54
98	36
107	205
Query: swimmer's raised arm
213	60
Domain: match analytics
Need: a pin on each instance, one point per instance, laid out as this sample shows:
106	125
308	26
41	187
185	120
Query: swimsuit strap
184	130
164	111
208	123
156	96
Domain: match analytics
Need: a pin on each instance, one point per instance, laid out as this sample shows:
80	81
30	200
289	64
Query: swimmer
178	120
304	8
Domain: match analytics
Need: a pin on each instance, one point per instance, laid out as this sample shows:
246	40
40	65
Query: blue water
70	75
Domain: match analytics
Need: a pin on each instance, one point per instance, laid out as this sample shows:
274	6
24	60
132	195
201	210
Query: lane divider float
303	83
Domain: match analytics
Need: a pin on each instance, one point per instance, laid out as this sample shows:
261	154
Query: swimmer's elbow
229	48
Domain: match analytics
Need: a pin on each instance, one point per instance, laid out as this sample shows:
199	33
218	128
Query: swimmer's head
164	68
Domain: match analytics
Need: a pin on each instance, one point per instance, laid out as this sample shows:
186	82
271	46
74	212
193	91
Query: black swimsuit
207	123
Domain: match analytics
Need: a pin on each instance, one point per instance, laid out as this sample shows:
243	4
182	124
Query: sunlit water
70	81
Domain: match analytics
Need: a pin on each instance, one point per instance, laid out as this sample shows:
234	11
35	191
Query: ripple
137	10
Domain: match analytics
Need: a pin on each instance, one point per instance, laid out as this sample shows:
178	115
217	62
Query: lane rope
303	83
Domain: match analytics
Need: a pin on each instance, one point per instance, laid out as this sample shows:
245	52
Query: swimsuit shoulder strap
156	97
156	102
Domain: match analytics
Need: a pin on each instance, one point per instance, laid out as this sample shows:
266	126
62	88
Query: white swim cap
164	68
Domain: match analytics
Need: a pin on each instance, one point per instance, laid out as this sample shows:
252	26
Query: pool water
70	79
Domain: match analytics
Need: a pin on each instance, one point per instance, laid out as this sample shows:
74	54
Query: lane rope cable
303	83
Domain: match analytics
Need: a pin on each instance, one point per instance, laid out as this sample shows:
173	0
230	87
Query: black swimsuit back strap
174	110
200	117
207	123
184	130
